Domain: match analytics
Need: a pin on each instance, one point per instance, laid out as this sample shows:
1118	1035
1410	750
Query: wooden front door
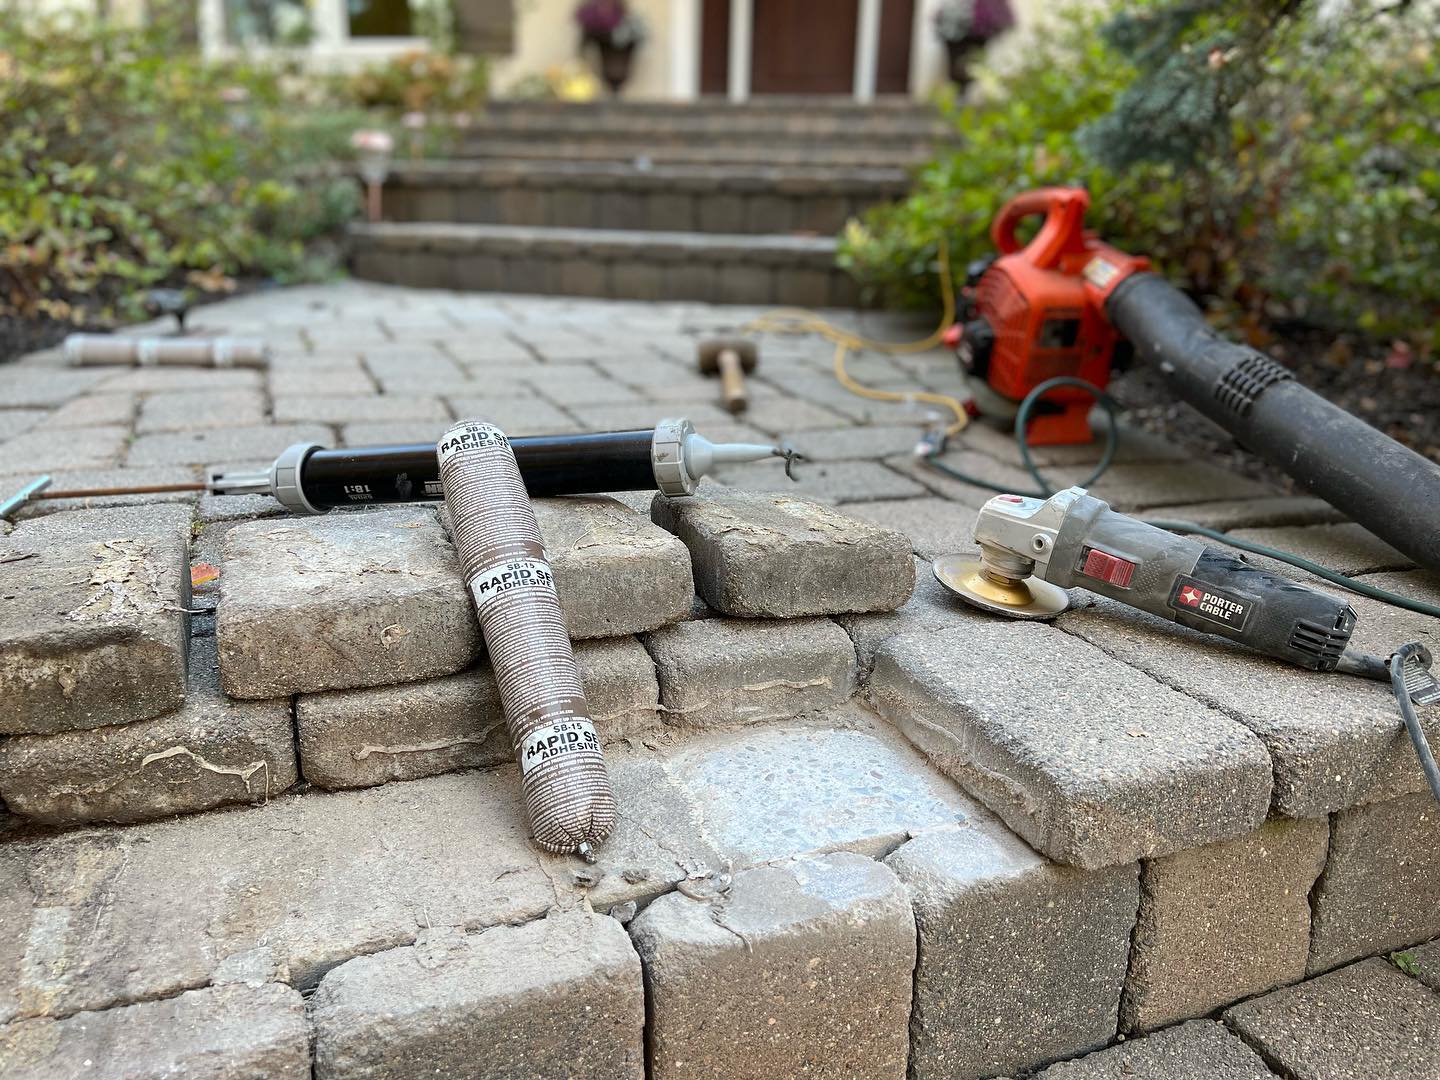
805	46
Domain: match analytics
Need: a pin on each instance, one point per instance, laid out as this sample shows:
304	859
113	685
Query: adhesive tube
562	770
86	350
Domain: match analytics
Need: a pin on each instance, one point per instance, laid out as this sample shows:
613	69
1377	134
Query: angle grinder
1032	550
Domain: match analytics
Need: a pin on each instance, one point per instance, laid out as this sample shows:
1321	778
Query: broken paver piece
772	556
1366	1020
1093	762
91	632
210	752
225	1032
1198	947
615	571
718	672
799	969
1021	960
341	601
356	738
556	998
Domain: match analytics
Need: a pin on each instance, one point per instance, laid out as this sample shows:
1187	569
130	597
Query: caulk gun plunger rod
671	457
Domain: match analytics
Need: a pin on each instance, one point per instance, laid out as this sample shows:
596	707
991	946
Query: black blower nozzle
1389	489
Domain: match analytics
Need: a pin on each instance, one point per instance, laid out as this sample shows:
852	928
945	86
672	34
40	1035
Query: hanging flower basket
615	32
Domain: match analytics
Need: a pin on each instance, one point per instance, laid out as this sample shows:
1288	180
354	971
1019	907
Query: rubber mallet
733	359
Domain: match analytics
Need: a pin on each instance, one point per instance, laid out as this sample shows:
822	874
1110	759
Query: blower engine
1037	313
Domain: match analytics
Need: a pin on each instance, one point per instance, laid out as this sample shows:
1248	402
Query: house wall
667	65
546	35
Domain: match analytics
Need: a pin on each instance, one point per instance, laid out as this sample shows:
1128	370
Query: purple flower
991	18
599	18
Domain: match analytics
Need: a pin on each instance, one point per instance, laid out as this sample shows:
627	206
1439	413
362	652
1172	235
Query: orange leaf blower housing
1038	312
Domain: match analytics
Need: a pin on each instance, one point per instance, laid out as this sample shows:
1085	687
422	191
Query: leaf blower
1066	305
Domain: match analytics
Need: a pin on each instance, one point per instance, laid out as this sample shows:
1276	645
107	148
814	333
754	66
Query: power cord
1401	669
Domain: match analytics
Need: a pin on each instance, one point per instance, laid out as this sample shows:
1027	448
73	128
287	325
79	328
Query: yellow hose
803	321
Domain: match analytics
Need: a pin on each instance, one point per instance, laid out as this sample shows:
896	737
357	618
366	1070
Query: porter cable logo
471	437
1209	603
509	576
557	740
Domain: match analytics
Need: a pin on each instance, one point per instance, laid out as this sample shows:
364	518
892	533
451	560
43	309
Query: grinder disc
1027	599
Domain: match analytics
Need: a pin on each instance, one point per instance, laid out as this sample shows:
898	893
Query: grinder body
1075	540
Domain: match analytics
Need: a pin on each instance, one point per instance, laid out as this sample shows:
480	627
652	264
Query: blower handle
1064	211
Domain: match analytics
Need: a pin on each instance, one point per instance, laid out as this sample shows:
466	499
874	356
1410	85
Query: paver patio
863	829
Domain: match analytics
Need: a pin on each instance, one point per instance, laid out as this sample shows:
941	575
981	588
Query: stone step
634	265
286	891
656	198
844	154
661	123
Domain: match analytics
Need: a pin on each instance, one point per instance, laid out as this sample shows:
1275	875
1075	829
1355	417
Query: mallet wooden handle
732	380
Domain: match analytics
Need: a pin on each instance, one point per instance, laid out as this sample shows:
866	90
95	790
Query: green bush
1294	171
421	81
125	161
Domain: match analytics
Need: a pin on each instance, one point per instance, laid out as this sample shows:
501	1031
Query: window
268	22
379	18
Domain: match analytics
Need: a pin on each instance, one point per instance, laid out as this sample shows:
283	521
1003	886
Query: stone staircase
714	201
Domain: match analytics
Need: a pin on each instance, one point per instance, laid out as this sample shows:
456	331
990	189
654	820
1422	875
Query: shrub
125	161
423	81
1284	169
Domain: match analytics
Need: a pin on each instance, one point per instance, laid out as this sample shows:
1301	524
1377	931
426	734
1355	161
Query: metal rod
140	489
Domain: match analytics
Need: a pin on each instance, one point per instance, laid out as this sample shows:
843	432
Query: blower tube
88	350
1389	489
566	789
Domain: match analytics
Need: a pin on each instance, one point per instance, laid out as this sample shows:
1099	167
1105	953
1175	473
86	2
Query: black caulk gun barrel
671	458
1389	489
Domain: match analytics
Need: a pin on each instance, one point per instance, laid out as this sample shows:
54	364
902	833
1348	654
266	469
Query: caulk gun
308	479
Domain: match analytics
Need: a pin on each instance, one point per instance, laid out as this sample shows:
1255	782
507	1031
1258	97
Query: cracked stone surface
107	916
1381	885
774	556
341	601
92	632
226	1032
210	752
357	738
809	963
1108	740
788	789
560	996
721	672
